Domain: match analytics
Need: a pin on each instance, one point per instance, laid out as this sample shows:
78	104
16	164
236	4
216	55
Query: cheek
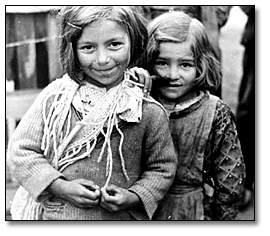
192	75
124	55
160	72
84	60
124	58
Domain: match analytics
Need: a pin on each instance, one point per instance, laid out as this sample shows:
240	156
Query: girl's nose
174	73
102	57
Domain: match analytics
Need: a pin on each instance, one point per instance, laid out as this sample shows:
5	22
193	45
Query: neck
171	104
98	84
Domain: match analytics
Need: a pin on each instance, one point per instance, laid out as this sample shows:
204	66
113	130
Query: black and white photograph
131	113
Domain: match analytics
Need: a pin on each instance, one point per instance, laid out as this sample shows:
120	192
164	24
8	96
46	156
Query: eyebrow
181	59
115	38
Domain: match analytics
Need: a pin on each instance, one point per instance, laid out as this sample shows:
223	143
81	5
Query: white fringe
56	139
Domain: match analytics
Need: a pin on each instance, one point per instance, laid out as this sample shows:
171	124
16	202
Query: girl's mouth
104	71
173	85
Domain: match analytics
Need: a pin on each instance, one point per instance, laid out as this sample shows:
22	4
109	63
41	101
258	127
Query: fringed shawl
121	102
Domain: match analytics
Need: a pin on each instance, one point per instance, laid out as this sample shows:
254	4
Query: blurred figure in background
212	17
245	115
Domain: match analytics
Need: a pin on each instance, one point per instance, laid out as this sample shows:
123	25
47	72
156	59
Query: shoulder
153	109
223	117
154	115
223	110
56	86
58	83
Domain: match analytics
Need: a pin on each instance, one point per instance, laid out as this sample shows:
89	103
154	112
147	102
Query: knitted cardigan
147	149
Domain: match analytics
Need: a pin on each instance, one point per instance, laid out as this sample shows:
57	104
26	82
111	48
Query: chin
171	96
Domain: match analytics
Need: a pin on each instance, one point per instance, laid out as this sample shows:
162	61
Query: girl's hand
142	77
80	192
115	199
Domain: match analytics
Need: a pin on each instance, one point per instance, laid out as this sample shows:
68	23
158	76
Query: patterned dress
211	171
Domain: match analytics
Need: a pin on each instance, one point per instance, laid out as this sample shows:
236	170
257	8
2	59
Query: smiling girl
211	172
91	147
103	53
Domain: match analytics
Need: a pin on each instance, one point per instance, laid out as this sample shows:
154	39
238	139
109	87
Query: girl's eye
115	45
187	64
161	63
87	48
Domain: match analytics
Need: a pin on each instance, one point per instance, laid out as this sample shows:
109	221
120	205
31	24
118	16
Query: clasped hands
85	194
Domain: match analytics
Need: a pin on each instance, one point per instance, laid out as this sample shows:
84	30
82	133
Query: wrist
57	186
134	199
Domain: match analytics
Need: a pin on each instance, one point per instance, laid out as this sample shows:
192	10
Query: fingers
88	197
91	195
86	203
153	77
149	86
87	183
105	199
84	198
91	189
83	193
142	76
108	194
111	198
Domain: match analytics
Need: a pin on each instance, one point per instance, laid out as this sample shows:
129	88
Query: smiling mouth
172	85
103	70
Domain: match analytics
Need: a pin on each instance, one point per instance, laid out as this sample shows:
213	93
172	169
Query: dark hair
179	27
73	19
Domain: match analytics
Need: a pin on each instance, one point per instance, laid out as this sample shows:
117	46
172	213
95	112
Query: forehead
102	30
175	50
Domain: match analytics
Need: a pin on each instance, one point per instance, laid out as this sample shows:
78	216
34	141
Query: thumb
112	190
88	184
153	77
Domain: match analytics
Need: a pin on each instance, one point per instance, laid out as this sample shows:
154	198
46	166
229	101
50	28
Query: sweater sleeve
227	165
159	160
25	158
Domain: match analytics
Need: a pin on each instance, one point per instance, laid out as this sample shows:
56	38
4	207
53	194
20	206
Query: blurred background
32	61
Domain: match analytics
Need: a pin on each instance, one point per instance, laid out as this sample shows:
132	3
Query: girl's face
176	71
103	51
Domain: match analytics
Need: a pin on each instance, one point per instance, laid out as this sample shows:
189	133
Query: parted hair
73	19
179	27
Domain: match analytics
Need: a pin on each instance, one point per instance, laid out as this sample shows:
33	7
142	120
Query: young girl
91	147
211	172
